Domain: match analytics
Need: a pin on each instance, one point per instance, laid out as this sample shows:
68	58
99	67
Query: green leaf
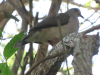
9	49
0	33
97	5
10	61
0	57
4	69
88	3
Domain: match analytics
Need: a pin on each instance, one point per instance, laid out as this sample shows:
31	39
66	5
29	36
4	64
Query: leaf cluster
9	50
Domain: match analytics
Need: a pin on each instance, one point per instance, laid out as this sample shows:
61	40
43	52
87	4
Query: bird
47	31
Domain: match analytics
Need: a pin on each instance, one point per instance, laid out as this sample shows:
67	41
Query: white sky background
43	7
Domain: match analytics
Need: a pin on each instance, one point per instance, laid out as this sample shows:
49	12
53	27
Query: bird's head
75	11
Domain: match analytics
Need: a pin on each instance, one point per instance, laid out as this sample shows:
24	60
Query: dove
47	31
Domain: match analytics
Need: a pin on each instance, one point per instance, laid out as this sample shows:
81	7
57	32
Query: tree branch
64	53
91	29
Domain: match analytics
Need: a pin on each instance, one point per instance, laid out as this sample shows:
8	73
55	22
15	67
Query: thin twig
23	6
88	18
24	66
5	38
67	67
31	53
96	20
42	17
30	6
90	25
46	58
91	29
60	32
30	22
18	61
2	58
36	18
96	9
67	4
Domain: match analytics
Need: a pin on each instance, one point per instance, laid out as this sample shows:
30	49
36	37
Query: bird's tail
20	43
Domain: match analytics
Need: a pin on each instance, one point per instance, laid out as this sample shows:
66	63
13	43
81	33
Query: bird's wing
51	21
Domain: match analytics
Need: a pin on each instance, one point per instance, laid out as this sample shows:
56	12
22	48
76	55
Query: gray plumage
47	31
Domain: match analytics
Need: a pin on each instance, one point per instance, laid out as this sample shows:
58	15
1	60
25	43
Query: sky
42	7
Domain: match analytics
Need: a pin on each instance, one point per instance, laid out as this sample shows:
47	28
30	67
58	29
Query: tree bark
86	47
72	43
5	6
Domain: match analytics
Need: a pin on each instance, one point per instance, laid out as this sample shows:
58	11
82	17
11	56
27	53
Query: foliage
10	61
0	57
97	5
5	69
88	3
9	50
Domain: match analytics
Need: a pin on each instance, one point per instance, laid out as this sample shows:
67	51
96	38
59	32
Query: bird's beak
81	16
